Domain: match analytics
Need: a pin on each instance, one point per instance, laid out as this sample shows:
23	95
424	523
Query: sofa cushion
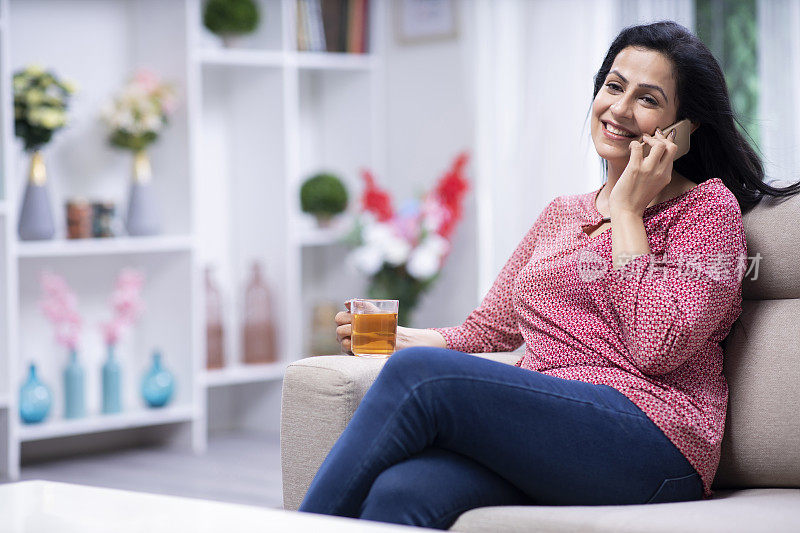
746	510
761	444
772	229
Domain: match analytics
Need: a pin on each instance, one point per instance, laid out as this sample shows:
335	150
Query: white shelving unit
255	121
102	423
118	245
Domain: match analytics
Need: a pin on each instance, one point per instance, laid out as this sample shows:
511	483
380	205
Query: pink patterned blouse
650	329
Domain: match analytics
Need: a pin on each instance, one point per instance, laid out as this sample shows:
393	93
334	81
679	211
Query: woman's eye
650	100
614	86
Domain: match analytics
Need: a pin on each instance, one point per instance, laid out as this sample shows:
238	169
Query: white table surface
49	507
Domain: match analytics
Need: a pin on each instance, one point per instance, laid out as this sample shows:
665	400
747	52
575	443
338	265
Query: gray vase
36	217
143	216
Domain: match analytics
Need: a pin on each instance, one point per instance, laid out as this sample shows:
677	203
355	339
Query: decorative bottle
259	331
112	377
158	384
36	217
35	398
74	406
215	340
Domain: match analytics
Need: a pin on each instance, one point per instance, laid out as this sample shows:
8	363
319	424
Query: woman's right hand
344	329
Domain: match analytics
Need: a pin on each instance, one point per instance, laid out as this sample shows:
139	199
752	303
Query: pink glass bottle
259	329
215	345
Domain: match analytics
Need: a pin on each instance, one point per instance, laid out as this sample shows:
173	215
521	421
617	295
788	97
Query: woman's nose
622	107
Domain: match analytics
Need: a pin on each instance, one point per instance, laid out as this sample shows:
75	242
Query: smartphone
683	130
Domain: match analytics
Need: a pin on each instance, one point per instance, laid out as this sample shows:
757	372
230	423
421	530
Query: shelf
104	246
99	423
333	61
234	375
232	57
270	58
321	237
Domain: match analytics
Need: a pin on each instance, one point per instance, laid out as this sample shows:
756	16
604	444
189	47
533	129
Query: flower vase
158	383
74	406
36	216
142	217
112	376
35	399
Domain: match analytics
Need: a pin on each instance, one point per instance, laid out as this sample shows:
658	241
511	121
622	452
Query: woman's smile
616	132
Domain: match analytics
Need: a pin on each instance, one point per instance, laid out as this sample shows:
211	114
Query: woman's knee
398	497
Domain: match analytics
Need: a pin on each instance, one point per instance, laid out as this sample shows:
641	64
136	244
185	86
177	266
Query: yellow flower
34	69
47	117
20	82
70	86
34	97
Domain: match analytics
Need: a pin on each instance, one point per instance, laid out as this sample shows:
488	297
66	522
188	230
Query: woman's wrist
628	239
408	337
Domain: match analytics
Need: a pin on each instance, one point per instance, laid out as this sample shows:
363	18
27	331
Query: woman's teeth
615	131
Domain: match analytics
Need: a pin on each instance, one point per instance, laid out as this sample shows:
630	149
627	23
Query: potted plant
40	109
136	117
230	18
324	196
402	252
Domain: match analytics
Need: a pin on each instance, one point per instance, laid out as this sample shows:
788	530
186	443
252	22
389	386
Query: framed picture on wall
420	21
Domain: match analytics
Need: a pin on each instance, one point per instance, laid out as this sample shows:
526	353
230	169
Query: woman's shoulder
714	195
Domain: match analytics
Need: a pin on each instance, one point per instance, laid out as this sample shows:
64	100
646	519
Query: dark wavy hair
718	149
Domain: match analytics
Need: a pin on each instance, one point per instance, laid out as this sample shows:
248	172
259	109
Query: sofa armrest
320	395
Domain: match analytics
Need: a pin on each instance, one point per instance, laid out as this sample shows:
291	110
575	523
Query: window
730	30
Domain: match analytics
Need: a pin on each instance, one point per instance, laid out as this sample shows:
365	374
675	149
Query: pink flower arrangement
403	251
417	237
60	305
140	112
126	305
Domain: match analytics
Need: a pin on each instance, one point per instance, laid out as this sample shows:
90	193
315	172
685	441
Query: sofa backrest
761	446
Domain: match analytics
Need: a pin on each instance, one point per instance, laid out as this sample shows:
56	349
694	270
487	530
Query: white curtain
779	75
631	12
535	63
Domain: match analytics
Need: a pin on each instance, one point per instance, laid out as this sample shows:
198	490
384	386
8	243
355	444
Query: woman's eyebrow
645	85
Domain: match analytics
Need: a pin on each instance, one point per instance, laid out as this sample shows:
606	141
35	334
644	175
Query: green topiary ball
323	195
231	17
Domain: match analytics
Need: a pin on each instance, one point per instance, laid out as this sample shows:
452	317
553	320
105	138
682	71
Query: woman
620	397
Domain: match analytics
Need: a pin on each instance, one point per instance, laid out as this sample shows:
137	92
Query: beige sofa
758	481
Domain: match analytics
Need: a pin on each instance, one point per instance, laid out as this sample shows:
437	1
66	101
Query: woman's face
637	96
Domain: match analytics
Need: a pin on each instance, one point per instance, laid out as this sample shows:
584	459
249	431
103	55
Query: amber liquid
374	334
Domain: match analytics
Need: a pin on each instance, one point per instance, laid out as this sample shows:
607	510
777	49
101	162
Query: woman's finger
343	318
347	346
657	149
343	332
636	148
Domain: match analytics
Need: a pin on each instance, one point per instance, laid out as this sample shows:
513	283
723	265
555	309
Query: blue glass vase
112	377
35	399
74	406
158	383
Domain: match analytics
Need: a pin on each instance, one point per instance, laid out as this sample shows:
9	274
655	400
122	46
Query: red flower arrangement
403	251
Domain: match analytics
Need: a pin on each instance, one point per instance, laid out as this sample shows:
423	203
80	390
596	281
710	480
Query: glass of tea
374	327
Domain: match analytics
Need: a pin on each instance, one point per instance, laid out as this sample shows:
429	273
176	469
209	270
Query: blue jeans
441	432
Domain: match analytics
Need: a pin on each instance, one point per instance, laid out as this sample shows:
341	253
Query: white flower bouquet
403	252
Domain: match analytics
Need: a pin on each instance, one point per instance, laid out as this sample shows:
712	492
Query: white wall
430	118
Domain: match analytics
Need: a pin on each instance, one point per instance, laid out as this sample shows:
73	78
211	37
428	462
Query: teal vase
112	377
158	383
74	406
35	399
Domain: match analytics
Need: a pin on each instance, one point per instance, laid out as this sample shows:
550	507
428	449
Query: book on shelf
333	26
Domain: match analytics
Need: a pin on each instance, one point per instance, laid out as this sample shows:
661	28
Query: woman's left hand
644	177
